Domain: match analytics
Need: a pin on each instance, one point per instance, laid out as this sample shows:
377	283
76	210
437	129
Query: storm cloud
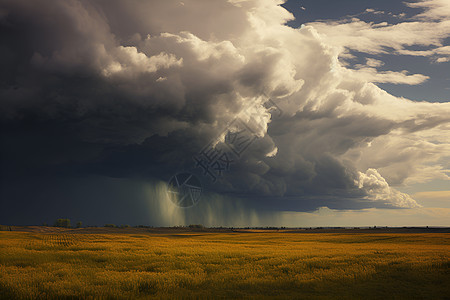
136	89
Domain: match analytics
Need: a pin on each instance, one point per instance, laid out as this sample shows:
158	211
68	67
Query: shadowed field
176	264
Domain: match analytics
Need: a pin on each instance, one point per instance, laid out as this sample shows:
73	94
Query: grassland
258	265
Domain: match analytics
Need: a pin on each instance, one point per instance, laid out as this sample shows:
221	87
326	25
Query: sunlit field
146	264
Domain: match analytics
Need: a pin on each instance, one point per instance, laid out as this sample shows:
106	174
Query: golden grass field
258	265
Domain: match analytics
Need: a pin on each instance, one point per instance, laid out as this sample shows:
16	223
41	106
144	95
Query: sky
304	113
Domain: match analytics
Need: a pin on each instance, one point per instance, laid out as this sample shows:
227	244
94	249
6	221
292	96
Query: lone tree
62	223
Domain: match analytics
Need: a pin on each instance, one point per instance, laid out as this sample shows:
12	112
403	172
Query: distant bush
79	224
62	223
110	225
124	226
141	226
196	226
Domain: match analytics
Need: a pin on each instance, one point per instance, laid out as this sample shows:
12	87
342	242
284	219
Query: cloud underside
119	88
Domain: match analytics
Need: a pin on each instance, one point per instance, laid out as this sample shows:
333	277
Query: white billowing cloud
379	190
371	62
382	38
205	50
373	75
444	53
438	55
428	29
370	73
128	59
169	94
381	12
375	12
434	9
407	158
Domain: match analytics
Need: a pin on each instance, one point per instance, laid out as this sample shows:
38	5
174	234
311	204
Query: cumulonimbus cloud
144	94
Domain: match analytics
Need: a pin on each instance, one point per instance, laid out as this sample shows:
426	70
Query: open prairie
142	263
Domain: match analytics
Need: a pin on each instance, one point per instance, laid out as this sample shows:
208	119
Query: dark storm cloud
135	89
